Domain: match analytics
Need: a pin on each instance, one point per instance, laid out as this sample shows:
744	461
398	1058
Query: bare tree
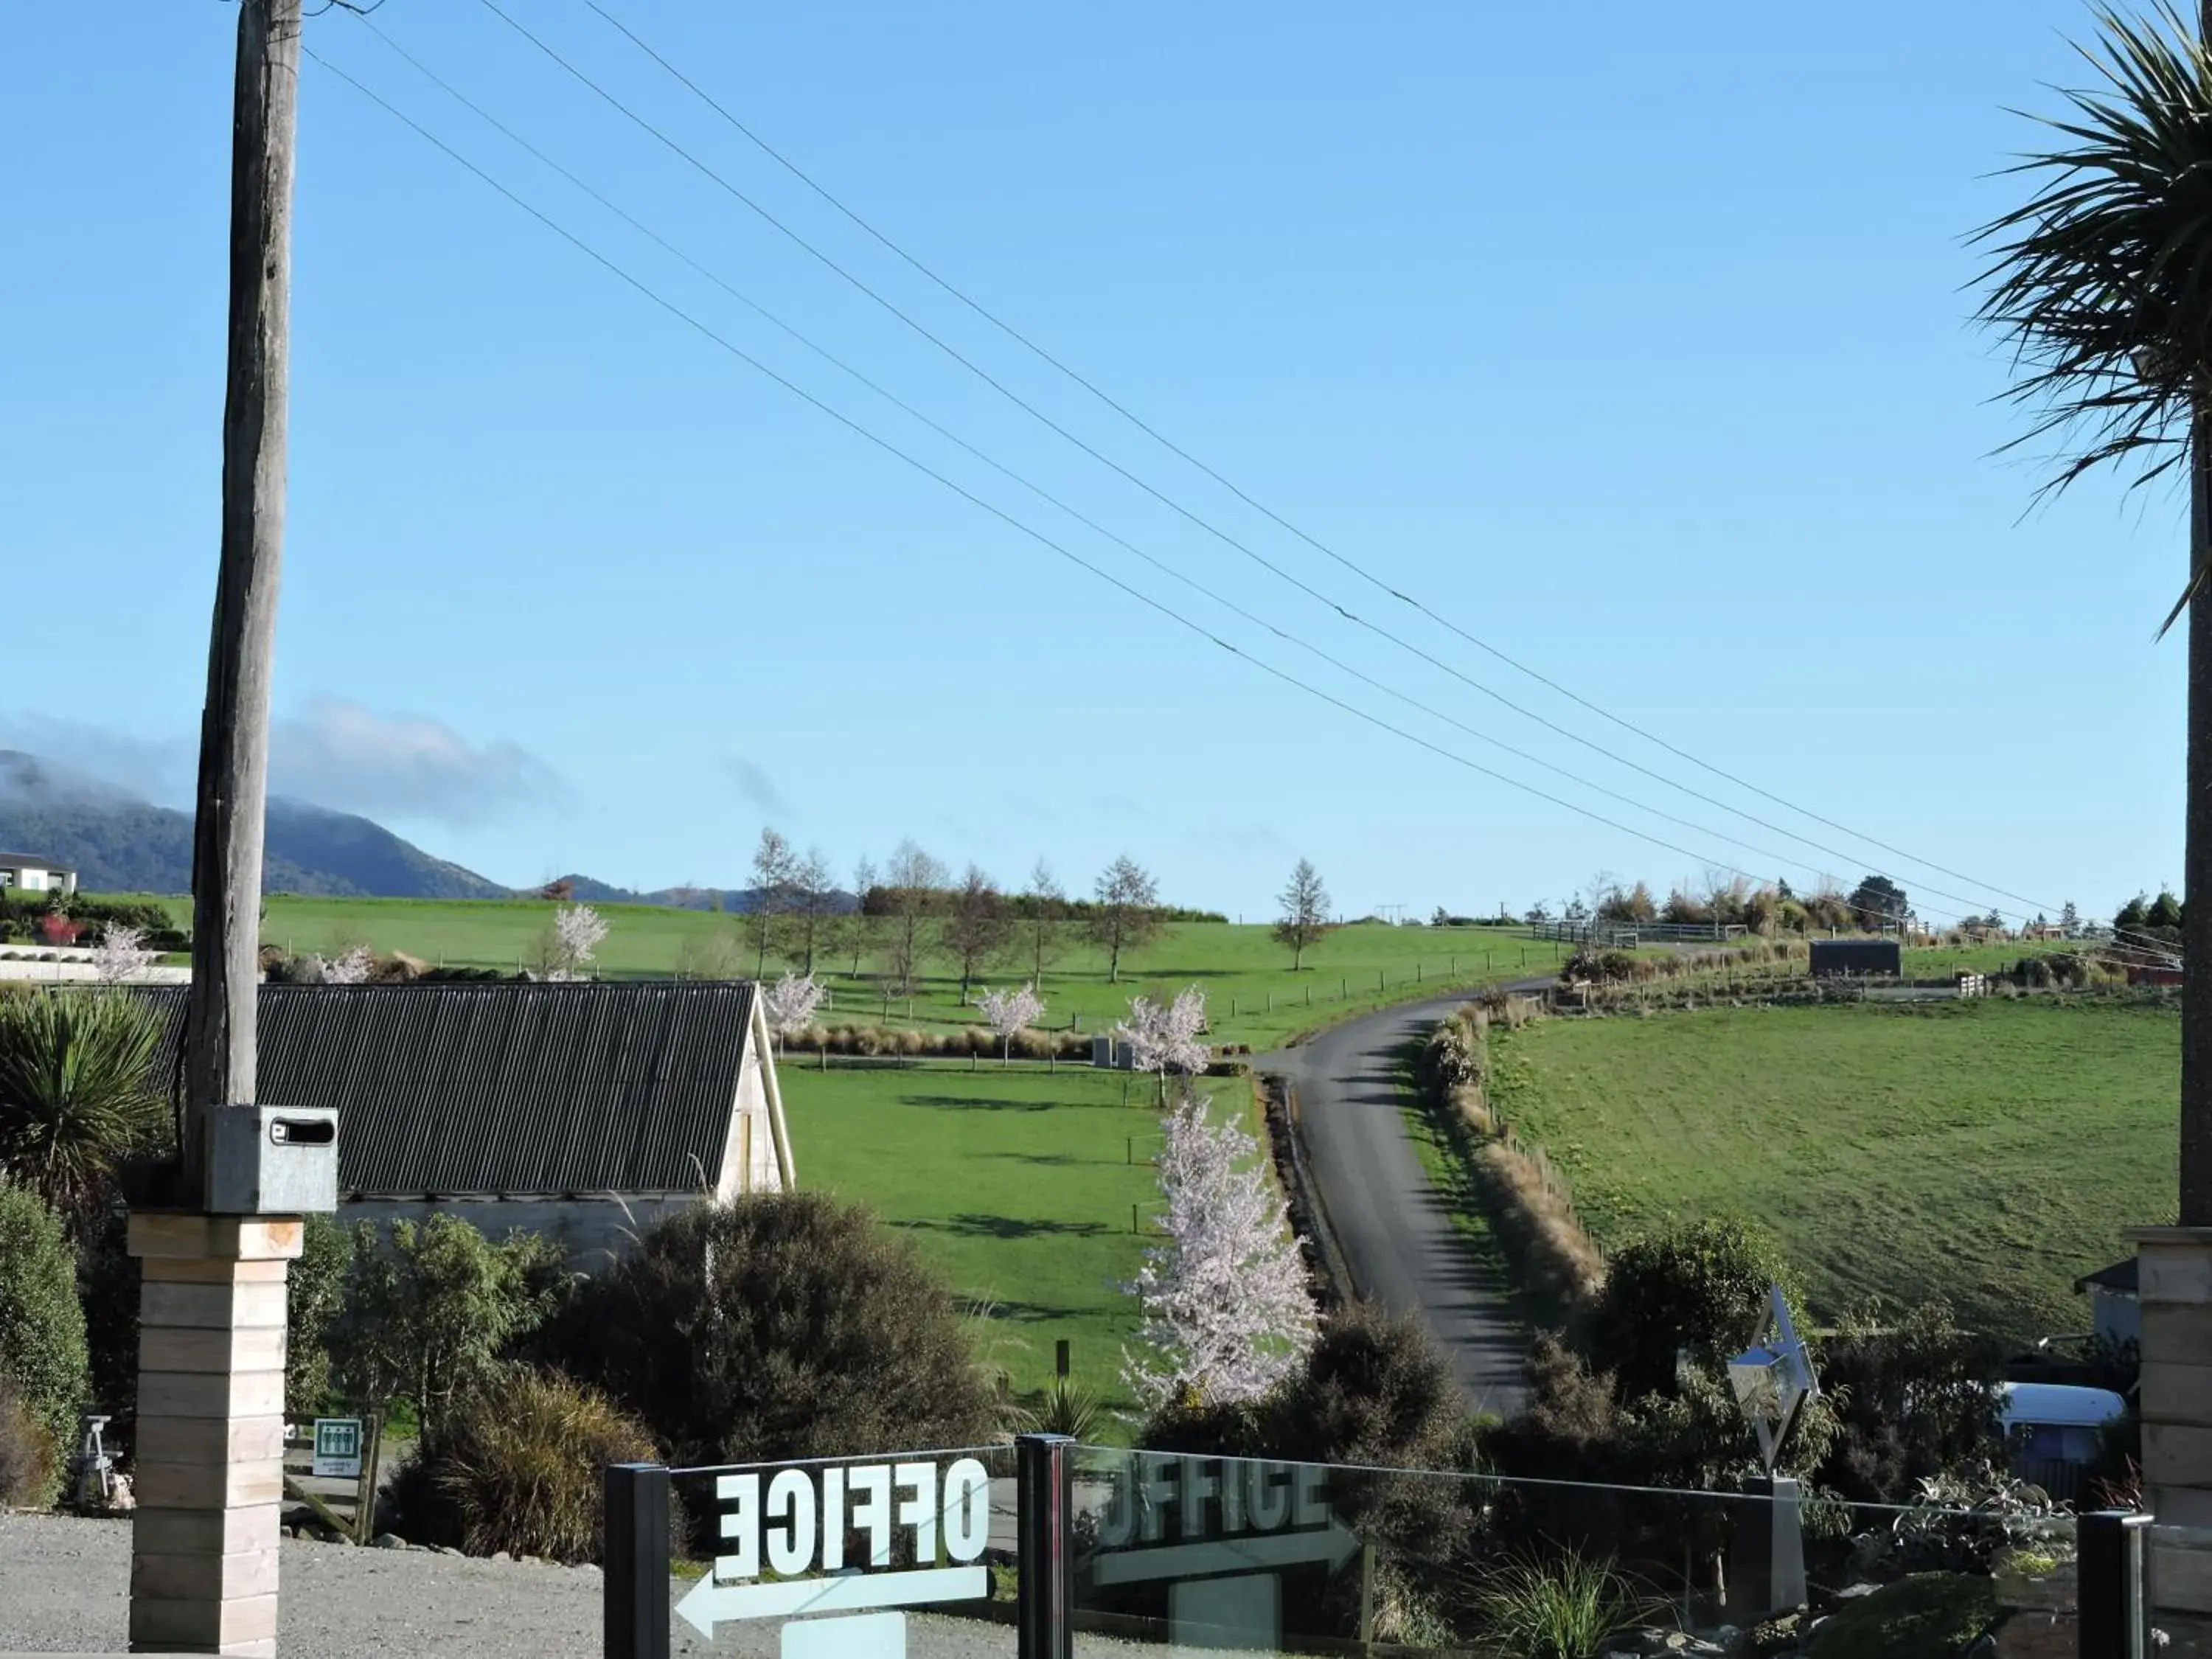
1127	913
1305	913
1048	907
913	888
857	928
813	891
714	954
774	865
976	928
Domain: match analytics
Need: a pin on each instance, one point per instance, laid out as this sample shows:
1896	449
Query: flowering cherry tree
121	954
577	931
1008	1012
1226	1311
790	1003
1165	1037
350	966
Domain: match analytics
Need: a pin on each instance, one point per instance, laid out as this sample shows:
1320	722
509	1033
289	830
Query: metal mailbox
273	1160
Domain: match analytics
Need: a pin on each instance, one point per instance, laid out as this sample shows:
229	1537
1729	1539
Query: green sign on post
338	1448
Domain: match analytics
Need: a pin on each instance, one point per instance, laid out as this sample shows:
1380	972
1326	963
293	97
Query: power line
1089	523
1044	495
859	430
1061	505
1161	438
1264	563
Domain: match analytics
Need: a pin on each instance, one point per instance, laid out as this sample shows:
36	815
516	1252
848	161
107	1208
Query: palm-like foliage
2102	279
76	1093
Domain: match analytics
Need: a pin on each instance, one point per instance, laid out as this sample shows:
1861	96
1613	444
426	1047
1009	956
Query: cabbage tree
2101	282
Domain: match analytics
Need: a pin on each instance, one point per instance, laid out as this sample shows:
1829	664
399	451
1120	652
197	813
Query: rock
1676	1641
591	1569
387	1540
534	1560
447	1549
501	1556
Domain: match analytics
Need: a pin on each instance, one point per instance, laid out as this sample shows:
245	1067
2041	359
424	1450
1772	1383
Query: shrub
1377	1390
1910	1401
74	1095
1701	1287
1068	1408
314	1296
42	1352
1963	1522
431	1309
1556	1605
782	1325
108	1289
29	1470
518	1465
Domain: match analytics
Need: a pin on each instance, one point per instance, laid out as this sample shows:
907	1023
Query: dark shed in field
1836	959
585	1112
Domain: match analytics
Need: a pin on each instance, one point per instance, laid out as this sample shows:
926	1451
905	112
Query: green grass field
1016	1183
1252	995
1988	1151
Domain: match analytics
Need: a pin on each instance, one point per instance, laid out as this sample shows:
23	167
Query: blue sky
1634	341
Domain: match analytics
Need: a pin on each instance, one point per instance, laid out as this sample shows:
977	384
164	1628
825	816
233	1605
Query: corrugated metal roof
507	1089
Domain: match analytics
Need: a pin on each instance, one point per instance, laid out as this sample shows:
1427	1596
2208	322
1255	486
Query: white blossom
121	954
577	931
1165	1037
791	1002
1007	1012
350	966
1227	1315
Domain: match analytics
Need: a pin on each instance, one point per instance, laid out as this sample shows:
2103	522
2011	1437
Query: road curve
1397	1237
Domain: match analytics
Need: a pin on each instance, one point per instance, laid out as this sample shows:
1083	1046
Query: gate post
1044	1483
2113	1603
636	1574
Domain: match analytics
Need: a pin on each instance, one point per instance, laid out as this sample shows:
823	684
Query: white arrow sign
1334	1544
709	1604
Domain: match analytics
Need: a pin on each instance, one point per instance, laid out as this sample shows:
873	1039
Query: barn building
585	1112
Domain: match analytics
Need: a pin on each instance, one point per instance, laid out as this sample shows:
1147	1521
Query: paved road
1397	1237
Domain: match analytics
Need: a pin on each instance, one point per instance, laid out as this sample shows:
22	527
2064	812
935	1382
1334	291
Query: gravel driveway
65	1587
64	1584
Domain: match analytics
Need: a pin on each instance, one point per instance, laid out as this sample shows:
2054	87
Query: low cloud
758	788
342	755
333	753
161	770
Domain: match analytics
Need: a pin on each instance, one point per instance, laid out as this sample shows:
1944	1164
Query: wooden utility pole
226	833
204	1541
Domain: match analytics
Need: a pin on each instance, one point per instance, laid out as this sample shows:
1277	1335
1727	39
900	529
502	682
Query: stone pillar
210	1443
2174	1286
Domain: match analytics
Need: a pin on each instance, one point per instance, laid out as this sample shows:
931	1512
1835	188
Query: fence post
2111	1596
635	1587
1045	1599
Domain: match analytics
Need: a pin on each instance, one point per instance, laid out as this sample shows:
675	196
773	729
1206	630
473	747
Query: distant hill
738	900
119	842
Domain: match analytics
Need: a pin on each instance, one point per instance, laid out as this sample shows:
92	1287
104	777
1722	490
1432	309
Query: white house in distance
26	872
586	1112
